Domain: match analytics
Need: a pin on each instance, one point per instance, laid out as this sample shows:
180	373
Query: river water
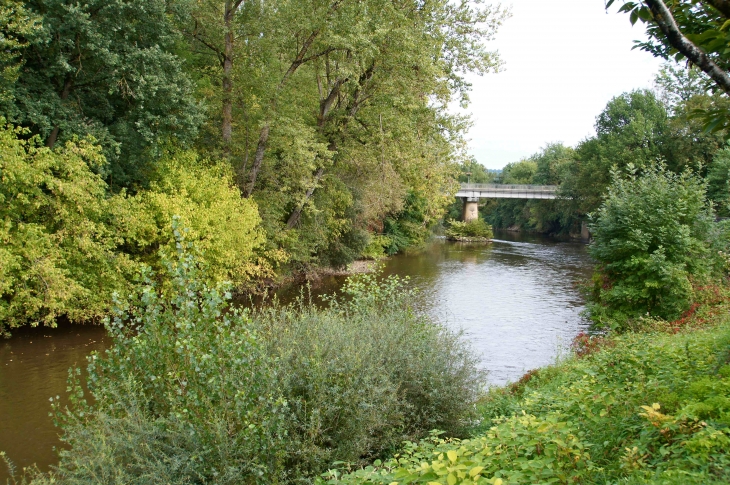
515	300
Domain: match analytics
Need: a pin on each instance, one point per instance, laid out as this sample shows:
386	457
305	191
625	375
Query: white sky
564	60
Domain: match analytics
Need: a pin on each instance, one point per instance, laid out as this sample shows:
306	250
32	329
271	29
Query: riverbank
650	406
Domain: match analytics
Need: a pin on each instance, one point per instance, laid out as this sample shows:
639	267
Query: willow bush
366	373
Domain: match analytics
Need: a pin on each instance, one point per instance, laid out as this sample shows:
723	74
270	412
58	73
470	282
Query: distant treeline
636	129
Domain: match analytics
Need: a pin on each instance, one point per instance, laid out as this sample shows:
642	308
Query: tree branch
664	19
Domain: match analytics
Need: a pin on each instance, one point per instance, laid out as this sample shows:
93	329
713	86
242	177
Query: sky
564	60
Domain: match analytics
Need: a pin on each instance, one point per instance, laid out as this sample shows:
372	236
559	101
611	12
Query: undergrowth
643	407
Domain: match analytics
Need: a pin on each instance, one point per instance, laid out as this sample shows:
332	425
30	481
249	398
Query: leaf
634	16
452	456
475	471
451	479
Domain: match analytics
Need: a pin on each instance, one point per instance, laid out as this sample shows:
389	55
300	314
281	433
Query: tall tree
107	69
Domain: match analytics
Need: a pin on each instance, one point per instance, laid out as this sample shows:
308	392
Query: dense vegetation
285	135
641	408
194	392
475	229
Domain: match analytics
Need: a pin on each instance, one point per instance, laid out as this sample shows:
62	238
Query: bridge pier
471	209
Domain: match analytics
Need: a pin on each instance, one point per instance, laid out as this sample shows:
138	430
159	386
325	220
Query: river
515	301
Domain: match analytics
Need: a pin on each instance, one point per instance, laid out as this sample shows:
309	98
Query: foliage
184	395
58	254
376	247
476	228
223	226
335	132
365	374
649	408
193	391
718	178
702	26
105	69
18	26
650	241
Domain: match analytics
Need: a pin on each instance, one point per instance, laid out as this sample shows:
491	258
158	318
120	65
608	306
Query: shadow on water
514	299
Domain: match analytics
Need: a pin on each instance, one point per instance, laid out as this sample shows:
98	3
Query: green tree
630	130
18	27
651	244
105	69
692	30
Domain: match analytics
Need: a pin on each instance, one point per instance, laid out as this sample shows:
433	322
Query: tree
650	242
630	130
18	27
105	69
340	113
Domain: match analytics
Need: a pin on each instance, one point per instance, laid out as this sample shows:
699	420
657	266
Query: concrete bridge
471	193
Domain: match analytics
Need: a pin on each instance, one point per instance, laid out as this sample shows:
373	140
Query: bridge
471	193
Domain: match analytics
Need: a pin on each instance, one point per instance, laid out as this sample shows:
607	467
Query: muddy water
34	366
515	301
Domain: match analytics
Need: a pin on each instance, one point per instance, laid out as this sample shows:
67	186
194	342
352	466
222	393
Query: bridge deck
504	191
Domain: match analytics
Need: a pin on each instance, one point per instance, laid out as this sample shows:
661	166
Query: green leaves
650	240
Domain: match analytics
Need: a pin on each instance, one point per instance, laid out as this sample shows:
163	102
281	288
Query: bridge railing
508	187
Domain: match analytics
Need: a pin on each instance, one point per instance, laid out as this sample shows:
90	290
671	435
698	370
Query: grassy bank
651	406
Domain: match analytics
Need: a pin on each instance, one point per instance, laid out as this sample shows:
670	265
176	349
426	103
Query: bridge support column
471	209
585	234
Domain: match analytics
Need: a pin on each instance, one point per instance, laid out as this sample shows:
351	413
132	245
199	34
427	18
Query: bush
57	237
476	228
192	392
650	242
224	227
184	395
364	375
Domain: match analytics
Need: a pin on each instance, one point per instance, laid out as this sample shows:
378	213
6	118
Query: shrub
650	242
476	228
57	239
365	374
184	395
224	226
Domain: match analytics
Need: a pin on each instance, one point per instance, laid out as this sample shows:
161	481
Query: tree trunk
64	95
264	135
259	157
227	123
297	213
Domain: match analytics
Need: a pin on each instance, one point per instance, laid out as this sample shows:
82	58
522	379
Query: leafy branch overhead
695	31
